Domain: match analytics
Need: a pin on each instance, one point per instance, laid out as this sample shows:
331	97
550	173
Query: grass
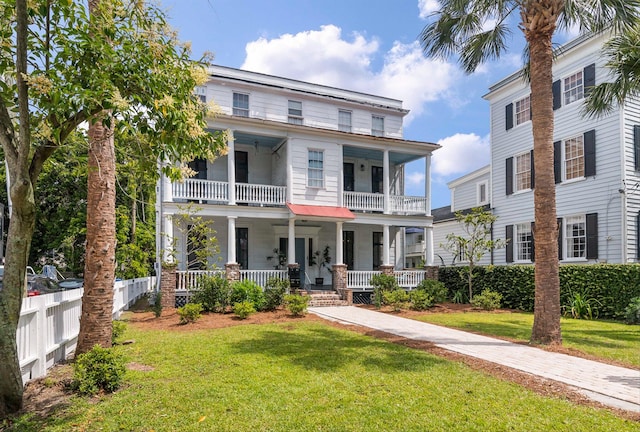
604	339
310	376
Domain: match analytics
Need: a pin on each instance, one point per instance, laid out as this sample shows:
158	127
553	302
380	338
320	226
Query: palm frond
597	15
483	46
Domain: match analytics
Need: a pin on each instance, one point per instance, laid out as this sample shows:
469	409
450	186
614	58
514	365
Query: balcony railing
374	202
408	204
218	192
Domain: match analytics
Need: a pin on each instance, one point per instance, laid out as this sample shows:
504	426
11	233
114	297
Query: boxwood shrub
612	285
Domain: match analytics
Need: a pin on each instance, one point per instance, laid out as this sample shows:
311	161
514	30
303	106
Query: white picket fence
49	324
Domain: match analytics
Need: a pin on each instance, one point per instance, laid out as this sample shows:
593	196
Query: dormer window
377	125
241	104
295	112
201	92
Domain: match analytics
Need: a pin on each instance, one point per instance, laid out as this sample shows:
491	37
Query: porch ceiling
254	139
376	155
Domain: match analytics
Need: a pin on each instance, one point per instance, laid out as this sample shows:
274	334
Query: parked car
40	285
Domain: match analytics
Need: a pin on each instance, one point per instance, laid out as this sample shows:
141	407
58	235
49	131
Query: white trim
562	88
479	185
515	112
515	172
516	248
565	246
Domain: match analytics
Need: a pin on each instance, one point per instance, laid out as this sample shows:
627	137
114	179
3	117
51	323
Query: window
315	174
344	121
523	171
482	193
241	105
242	247
575	235
295	112
201	92
524	242
377	125
377	250
573	88
573	158
523	110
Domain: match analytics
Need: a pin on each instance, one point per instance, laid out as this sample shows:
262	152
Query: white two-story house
308	167
596	164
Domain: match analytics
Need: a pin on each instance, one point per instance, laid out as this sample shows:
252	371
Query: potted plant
321	259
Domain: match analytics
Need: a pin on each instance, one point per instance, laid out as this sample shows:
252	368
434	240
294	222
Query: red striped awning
321	211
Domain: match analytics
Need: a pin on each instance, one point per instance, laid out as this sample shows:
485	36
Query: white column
339	257
385	181
289	171
385	245
428	243
291	255
427	184
166	233
231	240
231	168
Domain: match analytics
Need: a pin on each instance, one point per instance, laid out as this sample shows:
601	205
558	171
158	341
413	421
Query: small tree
200	241
476	240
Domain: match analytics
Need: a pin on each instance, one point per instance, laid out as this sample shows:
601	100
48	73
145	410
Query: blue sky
364	45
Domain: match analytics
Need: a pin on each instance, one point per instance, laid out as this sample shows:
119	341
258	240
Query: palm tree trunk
539	22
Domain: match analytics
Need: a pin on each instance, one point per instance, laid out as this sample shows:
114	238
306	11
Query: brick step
325	296
325	303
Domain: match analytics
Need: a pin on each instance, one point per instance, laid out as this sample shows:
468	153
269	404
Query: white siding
302	194
466	194
631	180
442	255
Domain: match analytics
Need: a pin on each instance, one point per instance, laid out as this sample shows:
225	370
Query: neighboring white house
308	166
596	162
469	191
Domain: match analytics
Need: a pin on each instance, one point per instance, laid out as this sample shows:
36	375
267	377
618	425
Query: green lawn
603	339
310	376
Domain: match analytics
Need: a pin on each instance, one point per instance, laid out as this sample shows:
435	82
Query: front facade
308	168
596	164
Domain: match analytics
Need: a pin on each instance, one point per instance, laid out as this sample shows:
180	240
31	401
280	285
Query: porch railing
408	204
409	279
365	201
186	281
263	195
360	280
201	190
357	279
261	276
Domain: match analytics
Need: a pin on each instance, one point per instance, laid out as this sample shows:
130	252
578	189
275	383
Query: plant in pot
321	259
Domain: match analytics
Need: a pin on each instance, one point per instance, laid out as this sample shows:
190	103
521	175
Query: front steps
325	298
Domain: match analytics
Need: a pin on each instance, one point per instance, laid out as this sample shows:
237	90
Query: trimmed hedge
612	285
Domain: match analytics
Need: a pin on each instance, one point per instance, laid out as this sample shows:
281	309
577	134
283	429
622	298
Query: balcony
374	202
217	192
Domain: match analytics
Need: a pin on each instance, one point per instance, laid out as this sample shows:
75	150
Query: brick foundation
168	287
340	282
233	272
431	272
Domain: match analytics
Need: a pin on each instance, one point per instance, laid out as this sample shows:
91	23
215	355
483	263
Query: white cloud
415	179
427	7
324	57
460	154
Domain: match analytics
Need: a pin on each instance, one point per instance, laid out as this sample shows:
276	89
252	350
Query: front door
348	177
377	184
300	257
348	241
242	166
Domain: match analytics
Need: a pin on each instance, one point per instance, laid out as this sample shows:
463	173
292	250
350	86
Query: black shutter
509	176
559	239
557	97
509	116
589	75
533	241
557	161
592	235
590	153
533	172
638	236
636	146
509	238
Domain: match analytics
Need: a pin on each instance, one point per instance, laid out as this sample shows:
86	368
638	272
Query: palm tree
476	30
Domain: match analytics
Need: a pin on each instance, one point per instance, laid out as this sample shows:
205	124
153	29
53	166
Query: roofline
480	171
263	79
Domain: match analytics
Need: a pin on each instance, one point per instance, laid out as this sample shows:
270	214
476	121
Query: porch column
428	246
340	181
291	255
231	168
339	257
427	184
385	245
166	235
289	171
231	239
385	181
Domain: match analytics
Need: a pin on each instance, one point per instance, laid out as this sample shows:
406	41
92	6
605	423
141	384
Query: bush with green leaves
580	307
213	293
243	309
248	290
100	369
156	305
632	312
487	300
459	296
382	283
398	299
296	304
436	289
117	330
420	300
274	291
190	313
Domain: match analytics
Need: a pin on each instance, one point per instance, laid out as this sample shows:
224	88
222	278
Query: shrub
248	290
487	300
398	299
459	296
296	304
213	293
243	309
117	330
382	283
580	307
156	306
190	313
420	300
274	293
100	369
436	289
632	312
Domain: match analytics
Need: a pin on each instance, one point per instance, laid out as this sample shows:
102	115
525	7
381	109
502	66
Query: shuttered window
581	236
523	110
636	146
523	242
575	157
573	87
523	172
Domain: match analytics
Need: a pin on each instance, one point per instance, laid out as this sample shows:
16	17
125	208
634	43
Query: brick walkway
611	385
